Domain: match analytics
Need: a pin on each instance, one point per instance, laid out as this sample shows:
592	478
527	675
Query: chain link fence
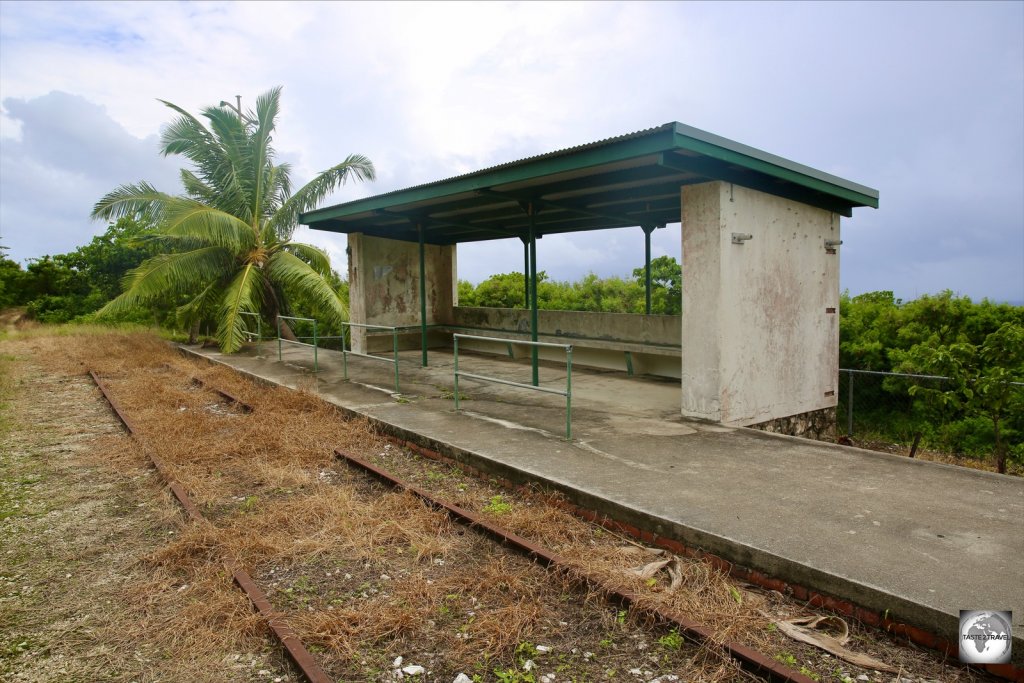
877	408
872	402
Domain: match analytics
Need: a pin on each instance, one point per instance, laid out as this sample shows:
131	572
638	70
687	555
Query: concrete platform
916	540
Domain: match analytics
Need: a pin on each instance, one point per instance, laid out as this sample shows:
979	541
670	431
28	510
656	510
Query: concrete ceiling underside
627	181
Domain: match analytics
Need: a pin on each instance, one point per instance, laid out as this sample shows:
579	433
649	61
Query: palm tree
228	238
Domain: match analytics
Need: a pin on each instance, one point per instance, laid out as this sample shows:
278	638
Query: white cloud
69	154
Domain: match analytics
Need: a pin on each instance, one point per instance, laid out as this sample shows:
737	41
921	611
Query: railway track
751	660
755	665
297	652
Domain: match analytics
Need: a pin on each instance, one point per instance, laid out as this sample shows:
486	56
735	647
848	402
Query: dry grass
366	574
80	600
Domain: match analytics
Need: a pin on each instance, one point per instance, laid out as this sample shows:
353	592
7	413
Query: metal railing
316	363
497	380
259	329
394	345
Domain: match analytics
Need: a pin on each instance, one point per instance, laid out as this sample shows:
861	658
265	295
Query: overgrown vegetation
70	287
978	412
608	295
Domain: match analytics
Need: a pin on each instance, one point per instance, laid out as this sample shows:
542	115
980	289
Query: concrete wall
384	287
640	344
632	328
760	319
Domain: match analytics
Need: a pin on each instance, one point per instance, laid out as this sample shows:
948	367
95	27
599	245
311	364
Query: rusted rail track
224	394
749	659
284	633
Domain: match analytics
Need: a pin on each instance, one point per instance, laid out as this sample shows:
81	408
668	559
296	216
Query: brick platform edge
891	614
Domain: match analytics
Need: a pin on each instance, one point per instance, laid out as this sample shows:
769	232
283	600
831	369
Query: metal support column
648	229
526	272
533	293
423	295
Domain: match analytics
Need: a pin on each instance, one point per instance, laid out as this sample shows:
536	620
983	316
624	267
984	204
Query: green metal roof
630	180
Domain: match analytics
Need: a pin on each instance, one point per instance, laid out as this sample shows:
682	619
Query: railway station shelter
757	341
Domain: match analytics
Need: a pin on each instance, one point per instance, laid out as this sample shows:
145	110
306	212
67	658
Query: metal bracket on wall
741	237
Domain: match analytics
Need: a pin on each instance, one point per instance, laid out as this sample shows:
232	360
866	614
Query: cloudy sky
922	101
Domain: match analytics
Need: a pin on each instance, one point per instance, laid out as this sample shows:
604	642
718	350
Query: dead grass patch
366	574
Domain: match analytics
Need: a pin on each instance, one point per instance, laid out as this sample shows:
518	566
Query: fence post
568	394
279	338
455	340
849	407
344	351
316	363
394	346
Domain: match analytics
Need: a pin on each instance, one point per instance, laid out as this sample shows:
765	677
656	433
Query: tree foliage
71	286
225	244
978	345
591	293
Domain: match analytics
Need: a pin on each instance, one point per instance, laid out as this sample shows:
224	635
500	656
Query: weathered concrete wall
384	286
600	340
760	322
614	327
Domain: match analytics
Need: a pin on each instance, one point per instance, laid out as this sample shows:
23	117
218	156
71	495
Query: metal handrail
394	345
316	362
497	380
259	329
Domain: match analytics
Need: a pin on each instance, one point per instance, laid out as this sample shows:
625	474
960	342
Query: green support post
533	293
526	272
423	295
648	229
279	338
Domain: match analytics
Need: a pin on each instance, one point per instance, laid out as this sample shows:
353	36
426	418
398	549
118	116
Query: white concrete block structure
760	311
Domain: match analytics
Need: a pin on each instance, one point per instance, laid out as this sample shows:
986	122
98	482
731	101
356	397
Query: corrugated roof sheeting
623	181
